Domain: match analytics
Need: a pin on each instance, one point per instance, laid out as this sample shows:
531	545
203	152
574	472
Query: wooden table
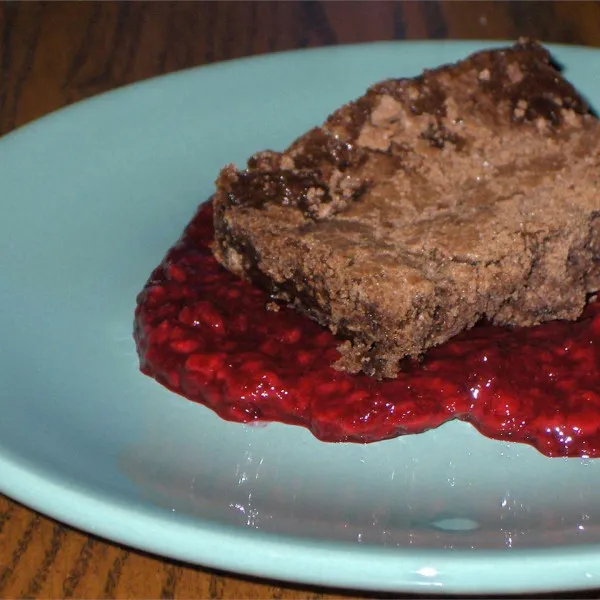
53	54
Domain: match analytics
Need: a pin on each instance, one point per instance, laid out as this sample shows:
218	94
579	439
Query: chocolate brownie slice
470	192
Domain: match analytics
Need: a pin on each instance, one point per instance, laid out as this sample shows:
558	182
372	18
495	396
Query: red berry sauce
207	335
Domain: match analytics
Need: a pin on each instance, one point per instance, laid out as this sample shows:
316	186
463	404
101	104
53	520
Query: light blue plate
90	199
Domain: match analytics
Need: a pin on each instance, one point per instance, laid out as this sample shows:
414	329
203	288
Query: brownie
470	192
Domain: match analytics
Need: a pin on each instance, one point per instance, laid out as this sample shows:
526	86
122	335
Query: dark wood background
55	53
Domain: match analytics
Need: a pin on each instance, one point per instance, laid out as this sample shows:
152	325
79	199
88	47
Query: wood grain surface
53	54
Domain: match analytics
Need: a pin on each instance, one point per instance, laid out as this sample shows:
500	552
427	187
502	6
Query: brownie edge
470	192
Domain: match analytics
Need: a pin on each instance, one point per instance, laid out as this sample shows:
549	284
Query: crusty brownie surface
470	192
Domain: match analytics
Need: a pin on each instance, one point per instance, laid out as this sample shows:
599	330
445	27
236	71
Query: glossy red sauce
207	335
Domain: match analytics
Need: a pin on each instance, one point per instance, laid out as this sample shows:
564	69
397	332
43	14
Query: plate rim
430	569
471	45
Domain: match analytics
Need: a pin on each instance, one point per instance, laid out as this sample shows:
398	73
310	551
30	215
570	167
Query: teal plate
91	197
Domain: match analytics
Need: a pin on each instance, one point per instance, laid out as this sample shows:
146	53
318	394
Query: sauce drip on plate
208	336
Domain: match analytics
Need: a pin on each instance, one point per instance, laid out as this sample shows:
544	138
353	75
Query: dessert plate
91	198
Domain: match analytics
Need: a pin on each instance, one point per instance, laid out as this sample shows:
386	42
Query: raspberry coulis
207	335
